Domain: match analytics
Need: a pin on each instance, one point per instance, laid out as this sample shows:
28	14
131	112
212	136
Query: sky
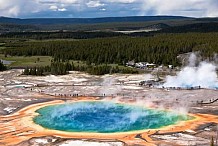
106	8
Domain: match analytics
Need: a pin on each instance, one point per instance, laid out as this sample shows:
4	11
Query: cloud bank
106	8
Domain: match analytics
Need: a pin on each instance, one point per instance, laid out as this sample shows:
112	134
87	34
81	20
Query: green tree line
60	35
62	68
159	49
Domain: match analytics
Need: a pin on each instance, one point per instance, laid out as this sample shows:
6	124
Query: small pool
6	62
104	117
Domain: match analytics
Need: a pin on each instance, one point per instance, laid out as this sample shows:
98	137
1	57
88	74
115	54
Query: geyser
104	117
204	75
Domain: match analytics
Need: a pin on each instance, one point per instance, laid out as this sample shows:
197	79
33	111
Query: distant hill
56	21
207	19
197	27
166	24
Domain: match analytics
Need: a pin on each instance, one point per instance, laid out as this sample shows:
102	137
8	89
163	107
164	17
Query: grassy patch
2	46
80	63
21	61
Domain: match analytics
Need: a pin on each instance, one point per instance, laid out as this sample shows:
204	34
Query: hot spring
104	117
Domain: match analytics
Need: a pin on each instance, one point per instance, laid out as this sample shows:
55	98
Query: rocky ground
17	91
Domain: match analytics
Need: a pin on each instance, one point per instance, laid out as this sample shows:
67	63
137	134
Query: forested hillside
58	21
60	35
159	49
105	45
197	27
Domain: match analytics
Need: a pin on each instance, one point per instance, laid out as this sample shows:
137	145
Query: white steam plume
109	87
192	60
203	75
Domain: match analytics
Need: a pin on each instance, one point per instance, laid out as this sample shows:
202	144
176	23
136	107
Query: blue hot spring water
104	117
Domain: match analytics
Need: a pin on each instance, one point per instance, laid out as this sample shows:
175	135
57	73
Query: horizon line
101	17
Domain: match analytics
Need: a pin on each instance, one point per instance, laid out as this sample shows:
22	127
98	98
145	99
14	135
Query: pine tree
212	142
2	66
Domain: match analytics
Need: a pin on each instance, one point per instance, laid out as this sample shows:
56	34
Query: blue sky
107	8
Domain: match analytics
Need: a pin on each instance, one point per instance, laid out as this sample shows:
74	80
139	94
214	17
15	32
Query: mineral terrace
20	95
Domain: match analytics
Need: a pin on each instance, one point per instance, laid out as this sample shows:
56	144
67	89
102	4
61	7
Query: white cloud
62	9
103	9
196	8
56	8
122	1
93	4
60	1
53	7
12	8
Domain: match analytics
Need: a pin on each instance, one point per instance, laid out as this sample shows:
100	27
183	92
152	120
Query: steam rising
204	75
104	117
192	60
107	86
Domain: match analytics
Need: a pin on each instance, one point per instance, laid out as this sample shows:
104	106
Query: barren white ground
13	97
